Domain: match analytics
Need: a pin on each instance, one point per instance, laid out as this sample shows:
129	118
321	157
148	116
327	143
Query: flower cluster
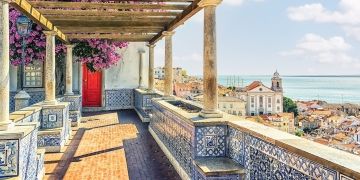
96	53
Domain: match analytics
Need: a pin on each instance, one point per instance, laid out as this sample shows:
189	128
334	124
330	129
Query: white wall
126	73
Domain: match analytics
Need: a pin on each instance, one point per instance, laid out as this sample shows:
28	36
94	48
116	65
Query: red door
91	88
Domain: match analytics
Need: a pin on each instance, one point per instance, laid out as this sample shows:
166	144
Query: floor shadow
66	159
144	158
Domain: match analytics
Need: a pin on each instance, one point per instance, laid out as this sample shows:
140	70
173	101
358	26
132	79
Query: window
33	75
224	106
231	105
278	101
278	108
252	99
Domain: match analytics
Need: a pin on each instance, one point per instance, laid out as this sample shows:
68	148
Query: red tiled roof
253	85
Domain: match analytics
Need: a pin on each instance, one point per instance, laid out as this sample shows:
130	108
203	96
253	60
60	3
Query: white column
50	85
5	122
141	68
69	70
210	63
168	86
151	66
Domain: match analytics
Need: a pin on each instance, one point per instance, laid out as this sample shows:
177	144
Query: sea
332	89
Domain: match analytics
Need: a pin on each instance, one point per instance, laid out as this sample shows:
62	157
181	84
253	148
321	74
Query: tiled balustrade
143	103
263	152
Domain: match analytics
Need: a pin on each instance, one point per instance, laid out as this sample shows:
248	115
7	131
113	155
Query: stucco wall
126	73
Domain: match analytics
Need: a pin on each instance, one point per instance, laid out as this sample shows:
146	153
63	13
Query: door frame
102	91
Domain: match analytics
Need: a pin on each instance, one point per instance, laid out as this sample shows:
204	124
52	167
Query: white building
261	99
232	105
177	73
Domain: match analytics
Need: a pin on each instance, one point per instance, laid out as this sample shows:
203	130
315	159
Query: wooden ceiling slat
62	12
107	23
179	20
115	29
97	5
110	18
118	37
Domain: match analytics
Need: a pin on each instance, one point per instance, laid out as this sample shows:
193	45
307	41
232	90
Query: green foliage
231	88
299	133
290	106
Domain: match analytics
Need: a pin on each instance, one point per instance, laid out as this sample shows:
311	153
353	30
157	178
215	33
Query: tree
299	133
290	106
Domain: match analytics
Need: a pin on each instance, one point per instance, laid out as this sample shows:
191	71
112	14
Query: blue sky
256	37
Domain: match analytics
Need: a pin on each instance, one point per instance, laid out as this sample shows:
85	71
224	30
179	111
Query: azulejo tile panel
28	163
211	141
75	102
52	118
119	99
49	140
264	160
9	158
176	135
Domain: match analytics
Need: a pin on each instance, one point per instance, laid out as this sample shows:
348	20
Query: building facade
232	105
261	99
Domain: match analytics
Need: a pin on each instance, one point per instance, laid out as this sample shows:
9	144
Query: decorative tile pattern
75	102
35	97
75	116
48	120
9	154
119	99
143	103
49	140
27	159
211	141
176	135
236	146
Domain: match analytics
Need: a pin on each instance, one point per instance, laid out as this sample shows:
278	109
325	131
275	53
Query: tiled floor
110	145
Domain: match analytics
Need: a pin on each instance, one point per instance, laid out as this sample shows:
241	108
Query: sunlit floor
110	145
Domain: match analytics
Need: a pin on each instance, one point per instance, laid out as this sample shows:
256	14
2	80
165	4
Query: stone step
218	167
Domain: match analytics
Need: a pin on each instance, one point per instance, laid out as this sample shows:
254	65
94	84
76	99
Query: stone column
151	66
168	86
69	70
5	122
141	68
210	65
50	85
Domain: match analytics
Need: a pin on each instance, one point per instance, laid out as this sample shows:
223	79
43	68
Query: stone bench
219	167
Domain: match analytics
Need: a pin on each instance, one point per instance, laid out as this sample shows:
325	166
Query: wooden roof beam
63	12
110	18
26	8
179	20
117	37
115	29
97	5
107	23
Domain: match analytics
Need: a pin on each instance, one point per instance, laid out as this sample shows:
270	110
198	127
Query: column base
6	125
52	102
69	94
211	114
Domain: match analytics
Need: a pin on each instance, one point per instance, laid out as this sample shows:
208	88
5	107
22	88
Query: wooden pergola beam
115	29
179	20
107	23
117	37
97	5
26	8
110	18
63	12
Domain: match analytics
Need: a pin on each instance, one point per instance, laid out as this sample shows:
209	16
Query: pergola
134	21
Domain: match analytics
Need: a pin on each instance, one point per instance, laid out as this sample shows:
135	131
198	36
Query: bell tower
276	82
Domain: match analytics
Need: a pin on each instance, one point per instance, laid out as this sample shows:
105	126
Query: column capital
151	45
50	33
141	51
168	33
204	3
69	46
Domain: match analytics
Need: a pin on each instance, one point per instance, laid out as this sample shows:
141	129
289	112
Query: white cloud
333	50
234	2
353	31
347	13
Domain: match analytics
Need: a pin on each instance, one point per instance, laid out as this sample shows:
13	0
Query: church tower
276	82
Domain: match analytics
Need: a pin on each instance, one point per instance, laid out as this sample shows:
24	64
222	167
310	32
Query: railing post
168	87
5	122
141	69
210	62
50	97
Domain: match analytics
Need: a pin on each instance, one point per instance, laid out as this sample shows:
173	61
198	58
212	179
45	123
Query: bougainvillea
95	53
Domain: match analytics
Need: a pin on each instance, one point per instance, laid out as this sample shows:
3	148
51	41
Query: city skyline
281	36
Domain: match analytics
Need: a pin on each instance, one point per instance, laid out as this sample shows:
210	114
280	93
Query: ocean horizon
329	88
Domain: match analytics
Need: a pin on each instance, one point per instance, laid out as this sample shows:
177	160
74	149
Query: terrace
156	129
